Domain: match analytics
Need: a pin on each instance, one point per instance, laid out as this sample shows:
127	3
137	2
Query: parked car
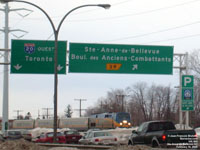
13	135
72	136
26	134
99	137
162	134
48	138
2	139
85	136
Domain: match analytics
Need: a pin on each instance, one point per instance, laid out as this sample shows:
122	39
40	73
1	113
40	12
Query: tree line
152	102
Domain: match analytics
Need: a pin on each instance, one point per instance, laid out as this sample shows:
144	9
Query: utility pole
5	74
47	110
182	66
186	72
6	30
101	107
38	114
18	111
80	109
122	99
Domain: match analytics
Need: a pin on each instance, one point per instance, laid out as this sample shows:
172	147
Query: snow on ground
122	134
38	131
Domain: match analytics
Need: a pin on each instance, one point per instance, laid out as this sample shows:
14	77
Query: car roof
154	121
100	131
93	130
13	131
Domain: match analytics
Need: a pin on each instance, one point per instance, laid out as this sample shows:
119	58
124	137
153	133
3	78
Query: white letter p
187	80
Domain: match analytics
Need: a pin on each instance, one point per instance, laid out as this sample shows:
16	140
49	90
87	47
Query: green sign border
118	58
187	104
37	57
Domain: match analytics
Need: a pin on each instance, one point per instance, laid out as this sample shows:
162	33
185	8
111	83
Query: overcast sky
145	22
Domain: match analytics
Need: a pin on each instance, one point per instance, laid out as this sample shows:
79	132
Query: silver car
99	137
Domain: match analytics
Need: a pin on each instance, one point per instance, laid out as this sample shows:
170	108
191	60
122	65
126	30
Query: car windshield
14	133
97	134
51	134
71	132
158	126
123	116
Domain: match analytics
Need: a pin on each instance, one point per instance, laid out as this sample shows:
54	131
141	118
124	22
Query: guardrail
76	146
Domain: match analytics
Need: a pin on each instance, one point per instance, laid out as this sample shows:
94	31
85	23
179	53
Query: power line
126	15
154	32
172	39
119	3
139	13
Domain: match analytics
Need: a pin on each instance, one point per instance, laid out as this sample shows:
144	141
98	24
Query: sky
142	22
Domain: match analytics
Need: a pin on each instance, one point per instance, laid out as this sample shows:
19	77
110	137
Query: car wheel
155	144
130	142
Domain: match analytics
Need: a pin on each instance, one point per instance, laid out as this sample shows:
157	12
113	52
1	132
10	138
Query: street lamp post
56	32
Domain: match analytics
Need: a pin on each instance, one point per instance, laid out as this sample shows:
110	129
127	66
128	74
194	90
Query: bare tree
151	97
194	62
144	103
194	66
137	93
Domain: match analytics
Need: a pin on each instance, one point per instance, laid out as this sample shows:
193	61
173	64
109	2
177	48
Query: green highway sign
37	57
187	93
115	58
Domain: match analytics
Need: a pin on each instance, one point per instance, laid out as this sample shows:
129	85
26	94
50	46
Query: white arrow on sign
135	67
59	67
17	67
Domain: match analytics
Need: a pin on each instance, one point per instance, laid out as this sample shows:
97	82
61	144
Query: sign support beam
182	60
187	112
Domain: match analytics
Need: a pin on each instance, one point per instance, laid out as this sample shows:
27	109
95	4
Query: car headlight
125	121
129	124
120	124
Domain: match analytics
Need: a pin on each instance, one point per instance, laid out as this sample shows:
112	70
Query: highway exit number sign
37	57
115	58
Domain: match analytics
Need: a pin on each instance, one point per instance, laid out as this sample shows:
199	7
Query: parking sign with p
187	93
187	81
